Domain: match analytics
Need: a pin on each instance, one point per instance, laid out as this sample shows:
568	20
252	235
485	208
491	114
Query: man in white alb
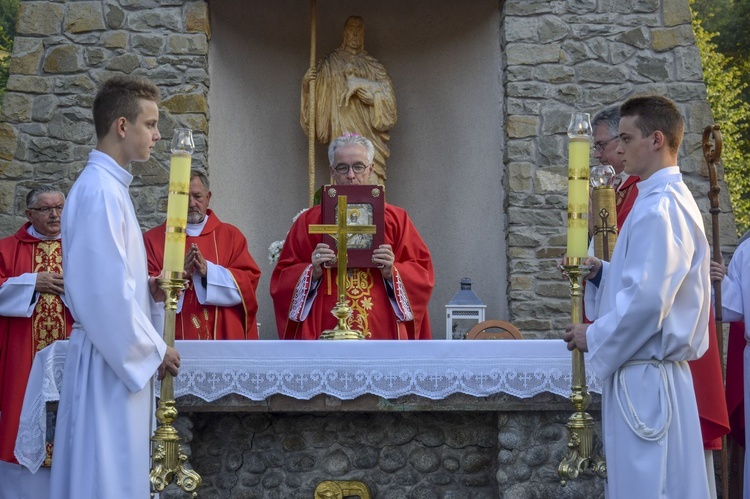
650	309
106	404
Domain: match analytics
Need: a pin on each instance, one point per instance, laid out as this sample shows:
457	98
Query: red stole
22	337
624	198
222	244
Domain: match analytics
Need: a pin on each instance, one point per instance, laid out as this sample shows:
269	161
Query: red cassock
222	244
735	381
22	337
709	391
367	293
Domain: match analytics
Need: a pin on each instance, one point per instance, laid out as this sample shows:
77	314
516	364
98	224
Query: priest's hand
49	282
170	363
194	262
575	336
385	258
717	271
157	293
320	255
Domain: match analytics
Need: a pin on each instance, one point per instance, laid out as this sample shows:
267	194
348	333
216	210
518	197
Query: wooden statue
353	94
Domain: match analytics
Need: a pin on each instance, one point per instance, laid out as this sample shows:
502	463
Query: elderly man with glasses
388	302
34	315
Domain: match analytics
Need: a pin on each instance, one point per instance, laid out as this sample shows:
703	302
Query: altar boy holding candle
106	404
650	309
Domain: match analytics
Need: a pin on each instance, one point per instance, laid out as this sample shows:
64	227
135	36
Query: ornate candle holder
580	424
167	460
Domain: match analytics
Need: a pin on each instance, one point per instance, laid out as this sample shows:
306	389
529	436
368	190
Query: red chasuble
735	382
367	293
22	337
624	198
222	244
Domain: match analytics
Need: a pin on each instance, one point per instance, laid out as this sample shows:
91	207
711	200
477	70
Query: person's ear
120	125
659	139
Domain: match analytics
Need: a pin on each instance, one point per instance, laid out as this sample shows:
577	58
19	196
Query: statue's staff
712	153
311	111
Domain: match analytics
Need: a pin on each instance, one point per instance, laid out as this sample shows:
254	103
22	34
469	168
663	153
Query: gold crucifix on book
340	232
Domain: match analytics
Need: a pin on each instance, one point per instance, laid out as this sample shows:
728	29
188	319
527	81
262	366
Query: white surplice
106	403
651	312
735	300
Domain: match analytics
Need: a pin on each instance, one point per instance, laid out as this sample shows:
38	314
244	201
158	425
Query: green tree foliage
723	75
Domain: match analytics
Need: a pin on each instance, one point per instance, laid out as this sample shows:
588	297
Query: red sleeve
154	242
414	265
245	272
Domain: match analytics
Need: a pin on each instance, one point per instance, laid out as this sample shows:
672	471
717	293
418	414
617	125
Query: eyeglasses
343	168
600	146
46	210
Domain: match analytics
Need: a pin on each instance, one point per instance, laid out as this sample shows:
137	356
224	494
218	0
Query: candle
578	185
177	203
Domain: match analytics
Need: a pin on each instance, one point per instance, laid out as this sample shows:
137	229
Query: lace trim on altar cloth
346	370
300	295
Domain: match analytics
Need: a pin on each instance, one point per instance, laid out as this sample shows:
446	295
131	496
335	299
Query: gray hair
33	195
351	139
202	176
609	117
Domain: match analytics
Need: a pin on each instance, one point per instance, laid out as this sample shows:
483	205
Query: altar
410	419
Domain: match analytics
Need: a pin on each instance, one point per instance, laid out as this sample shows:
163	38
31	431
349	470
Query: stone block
527	7
148	44
669	38
17	107
196	18
75	84
188	44
72	126
186	103
522	126
94	56
27	56
522	29
676	12
689	63
16	170
551	180
151	19
30	84
532	54
600	73
8	141
115	39
196	122
522	283
125	63
39	18
82	17
43	107
636	37
63	59
7	195
114	16
520	175
653	68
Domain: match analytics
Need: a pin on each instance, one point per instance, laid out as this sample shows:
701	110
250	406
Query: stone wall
461	448
558	56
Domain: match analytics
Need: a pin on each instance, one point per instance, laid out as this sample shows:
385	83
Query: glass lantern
464	311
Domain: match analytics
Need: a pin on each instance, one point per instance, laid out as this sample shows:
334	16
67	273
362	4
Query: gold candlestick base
580	424
341	311
167	460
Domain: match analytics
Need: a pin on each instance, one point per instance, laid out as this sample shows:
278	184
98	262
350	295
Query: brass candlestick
342	311
580	424
167	459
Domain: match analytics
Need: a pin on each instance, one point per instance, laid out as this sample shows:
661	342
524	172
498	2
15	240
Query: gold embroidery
48	320
359	284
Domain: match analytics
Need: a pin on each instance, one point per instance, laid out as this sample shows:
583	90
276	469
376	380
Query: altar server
106	404
650	309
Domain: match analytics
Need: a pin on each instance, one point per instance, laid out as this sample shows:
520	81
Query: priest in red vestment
220	301
706	371
389	302
32	310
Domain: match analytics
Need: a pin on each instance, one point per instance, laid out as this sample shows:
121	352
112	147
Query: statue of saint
353	94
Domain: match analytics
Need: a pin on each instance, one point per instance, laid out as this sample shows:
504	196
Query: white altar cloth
344	369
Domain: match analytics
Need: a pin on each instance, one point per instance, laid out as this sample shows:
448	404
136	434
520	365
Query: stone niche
460	447
485	90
